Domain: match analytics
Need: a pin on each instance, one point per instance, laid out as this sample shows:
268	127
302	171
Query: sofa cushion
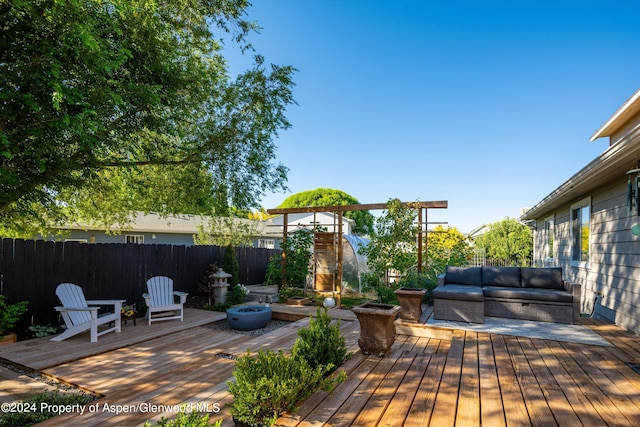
529	294
548	278
501	276
463	276
459	292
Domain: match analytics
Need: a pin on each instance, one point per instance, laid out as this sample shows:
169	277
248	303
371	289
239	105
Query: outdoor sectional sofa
470	294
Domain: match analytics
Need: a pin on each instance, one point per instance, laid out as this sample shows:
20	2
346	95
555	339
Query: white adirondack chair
161	298
81	315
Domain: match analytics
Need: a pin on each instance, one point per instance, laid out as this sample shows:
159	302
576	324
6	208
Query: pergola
339	210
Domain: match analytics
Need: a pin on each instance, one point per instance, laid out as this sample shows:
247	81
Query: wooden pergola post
338	293
419	240
285	231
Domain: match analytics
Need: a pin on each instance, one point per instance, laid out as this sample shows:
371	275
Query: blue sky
486	104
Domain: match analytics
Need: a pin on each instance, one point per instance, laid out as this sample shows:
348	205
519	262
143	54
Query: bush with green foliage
230	265
10	313
34	415
193	419
271	384
298	251
288	292
321	344
39	331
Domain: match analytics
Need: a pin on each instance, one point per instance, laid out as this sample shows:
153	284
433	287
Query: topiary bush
321	344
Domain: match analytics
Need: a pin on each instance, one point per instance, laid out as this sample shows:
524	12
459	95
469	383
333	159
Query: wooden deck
467	378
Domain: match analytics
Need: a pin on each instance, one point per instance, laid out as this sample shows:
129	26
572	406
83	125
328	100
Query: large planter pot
411	303
377	330
248	318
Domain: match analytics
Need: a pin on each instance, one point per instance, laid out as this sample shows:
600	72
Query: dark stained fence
30	270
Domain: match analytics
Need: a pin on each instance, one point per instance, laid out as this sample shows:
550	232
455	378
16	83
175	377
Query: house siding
159	239
611	281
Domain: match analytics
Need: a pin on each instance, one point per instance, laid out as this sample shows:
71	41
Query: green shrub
271	384
10	314
39	331
230	265
321	344
184	420
288	292
34	416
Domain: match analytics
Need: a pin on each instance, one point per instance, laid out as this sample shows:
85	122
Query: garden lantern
220	286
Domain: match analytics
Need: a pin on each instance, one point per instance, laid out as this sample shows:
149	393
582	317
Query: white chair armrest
106	301
77	308
182	295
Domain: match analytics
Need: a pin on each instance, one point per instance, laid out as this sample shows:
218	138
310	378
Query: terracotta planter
8	338
411	303
377	330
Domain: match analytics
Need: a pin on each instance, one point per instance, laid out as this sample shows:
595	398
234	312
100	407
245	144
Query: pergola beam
442	204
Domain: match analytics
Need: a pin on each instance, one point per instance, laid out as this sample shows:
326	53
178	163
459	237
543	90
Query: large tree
507	241
329	197
108	106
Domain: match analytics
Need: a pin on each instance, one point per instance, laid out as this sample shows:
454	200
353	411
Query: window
134	238
549	236
267	243
580	232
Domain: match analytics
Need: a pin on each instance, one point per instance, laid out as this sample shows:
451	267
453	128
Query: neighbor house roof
155	223
608	167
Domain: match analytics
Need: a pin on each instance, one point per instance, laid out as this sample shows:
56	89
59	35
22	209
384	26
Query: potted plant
9	316
377	328
410	295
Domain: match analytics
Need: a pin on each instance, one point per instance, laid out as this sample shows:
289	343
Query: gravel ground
271	326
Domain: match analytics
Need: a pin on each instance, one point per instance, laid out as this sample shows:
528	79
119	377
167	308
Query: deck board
471	378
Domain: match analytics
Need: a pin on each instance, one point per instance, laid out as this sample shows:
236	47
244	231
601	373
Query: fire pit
248	318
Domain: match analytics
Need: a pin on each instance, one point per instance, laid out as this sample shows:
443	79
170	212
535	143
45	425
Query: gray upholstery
547	278
501	276
512	292
463	276
459	292
533	294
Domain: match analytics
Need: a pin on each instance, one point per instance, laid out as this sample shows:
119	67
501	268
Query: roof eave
619	118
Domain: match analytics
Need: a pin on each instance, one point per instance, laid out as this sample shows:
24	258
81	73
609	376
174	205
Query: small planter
248	318
411	303
377	330
8	338
297	301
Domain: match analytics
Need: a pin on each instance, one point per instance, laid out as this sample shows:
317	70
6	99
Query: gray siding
611	282
160	238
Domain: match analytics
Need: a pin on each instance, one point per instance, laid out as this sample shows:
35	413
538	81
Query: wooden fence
30	270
